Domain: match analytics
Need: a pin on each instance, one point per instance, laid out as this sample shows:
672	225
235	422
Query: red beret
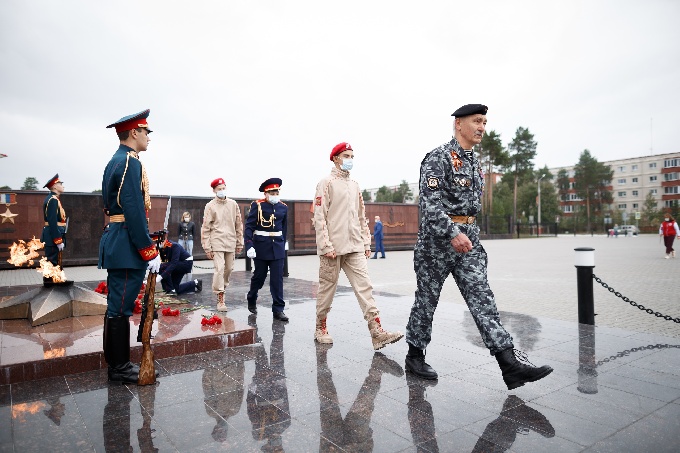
217	182
340	147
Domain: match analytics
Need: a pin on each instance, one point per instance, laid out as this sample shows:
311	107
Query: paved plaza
616	386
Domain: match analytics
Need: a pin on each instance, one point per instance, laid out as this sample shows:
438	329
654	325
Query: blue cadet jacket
451	183
55	218
126	244
266	229
174	253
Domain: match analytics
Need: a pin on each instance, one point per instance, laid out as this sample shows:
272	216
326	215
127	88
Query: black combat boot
415	363
117	351
516	373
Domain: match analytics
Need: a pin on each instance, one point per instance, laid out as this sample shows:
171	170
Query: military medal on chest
457	163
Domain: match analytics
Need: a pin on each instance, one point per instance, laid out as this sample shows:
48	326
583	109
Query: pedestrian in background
221	237
378	235
186	233
669	230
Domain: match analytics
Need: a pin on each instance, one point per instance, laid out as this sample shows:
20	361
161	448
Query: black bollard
585	262
249	265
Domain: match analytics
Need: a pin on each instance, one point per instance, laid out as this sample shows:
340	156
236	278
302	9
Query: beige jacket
340	216
222	229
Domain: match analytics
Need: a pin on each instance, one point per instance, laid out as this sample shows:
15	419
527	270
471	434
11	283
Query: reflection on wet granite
287	393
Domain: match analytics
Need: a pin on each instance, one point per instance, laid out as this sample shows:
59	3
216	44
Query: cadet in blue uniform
265	242
451	185
177	263
55	220
126	250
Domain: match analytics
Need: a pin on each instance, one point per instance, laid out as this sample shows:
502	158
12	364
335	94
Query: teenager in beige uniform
343	241
221	236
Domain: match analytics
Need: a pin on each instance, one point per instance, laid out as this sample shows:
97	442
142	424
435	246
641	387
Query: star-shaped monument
7	216
52	303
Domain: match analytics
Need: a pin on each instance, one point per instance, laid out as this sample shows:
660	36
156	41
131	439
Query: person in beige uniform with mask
343	241
221	237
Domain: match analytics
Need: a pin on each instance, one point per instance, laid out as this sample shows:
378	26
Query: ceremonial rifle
147	370
60	251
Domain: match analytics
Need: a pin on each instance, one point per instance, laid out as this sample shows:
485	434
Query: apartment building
633	179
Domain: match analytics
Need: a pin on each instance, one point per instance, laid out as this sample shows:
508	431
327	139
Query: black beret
271	184
470	109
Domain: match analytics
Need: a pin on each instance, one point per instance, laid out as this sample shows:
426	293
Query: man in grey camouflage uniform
451	185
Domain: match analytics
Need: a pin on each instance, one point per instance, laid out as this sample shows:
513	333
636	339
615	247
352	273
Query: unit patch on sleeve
433	183
318	201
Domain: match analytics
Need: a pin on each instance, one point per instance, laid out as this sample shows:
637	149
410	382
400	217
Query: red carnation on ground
170	312
102	288
210	320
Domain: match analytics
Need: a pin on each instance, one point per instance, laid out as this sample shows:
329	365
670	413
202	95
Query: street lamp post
539	204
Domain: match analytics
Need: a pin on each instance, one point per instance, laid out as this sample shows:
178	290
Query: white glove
60	246
159	278
251	252
285	247
154	264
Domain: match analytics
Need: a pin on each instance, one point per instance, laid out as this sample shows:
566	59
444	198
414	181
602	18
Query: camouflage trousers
434	260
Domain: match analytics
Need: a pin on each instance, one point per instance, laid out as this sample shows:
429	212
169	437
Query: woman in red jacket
669	230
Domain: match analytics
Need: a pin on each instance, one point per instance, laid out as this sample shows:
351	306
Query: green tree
591	179
366	195
403	193
492	155
563	184
650	211
5	188
383	195
522	150
30	183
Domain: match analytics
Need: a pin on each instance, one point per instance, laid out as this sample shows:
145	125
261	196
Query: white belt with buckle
268	233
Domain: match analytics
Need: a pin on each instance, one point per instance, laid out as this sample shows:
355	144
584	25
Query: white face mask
222	193
666	219
347	164
273	199
186	219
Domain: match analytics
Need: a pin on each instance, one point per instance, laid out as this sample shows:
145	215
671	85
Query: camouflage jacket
451	183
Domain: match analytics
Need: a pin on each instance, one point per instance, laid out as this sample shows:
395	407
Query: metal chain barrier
201	267
640	306
641	348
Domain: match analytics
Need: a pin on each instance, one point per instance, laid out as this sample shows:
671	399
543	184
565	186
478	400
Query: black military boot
415	363
516	373
117	351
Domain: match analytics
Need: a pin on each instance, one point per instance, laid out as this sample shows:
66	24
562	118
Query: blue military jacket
451	183
125	245
269	218
53	233
174	253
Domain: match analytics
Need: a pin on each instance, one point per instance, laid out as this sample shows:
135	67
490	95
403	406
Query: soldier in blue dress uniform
126	250
265	243
55	220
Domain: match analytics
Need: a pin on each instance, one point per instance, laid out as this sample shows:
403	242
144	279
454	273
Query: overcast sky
247	90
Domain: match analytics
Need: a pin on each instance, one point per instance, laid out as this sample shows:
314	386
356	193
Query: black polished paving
612	391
